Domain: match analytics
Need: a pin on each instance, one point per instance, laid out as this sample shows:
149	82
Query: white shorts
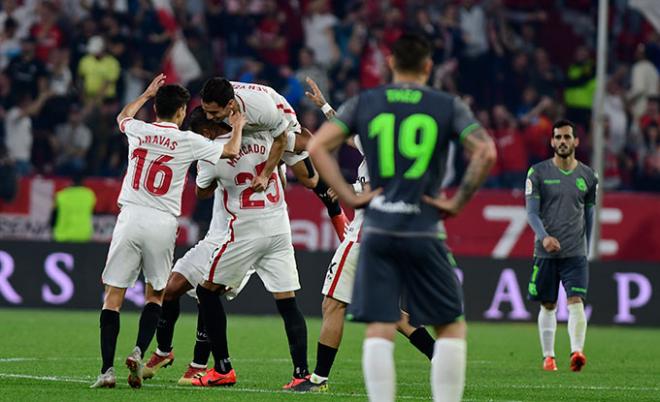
143	239
341	273
194	264
272	258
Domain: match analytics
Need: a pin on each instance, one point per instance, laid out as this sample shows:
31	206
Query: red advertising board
493	225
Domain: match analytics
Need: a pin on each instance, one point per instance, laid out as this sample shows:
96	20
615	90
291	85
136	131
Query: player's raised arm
328	138
233	146
316	96
132	108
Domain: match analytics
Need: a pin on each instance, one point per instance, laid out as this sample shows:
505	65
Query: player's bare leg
308	177
213	313
577	331
547	323
419	337
449	361
378	361
147	329
296	333
177	285
112	302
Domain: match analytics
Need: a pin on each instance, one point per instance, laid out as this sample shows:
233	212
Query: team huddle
392	269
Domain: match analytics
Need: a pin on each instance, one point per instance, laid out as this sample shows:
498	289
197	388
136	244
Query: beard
564	151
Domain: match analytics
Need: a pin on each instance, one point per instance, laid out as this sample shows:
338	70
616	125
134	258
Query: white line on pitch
87	380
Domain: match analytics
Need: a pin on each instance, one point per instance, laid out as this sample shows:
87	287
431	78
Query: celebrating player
338	285
150	200
405	129
188	271
560	194
220	96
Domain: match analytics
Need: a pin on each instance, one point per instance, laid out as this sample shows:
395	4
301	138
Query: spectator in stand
307	68
269	40
644	83
615	112
81	35
45	32
73	212
474	30
10	45
23	15
235	28
153	37
580	88
71	143
546	77
512	163
27	74
652	114
102	120
318	24
18	130
650	161
98	71
536	125
516	79
8	177
135	79
373	64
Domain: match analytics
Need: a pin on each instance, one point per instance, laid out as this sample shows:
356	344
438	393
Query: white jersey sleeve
204	149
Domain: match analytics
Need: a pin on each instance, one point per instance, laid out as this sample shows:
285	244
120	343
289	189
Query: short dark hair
564	123
218	90
197	120
410	52
169	99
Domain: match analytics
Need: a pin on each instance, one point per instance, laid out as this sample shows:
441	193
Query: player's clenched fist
551	244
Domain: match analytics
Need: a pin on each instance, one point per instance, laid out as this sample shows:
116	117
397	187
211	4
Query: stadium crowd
67	67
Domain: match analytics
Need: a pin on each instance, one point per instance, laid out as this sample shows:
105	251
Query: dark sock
325	357
215	320
202	344
109	332
147	329
296	333
423	341
165	328
321	191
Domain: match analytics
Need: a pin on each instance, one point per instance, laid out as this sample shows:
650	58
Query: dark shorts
573	272
415	273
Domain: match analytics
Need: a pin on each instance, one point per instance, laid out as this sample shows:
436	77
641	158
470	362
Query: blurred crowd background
67	67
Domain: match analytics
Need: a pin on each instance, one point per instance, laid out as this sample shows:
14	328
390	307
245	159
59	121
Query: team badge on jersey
581	184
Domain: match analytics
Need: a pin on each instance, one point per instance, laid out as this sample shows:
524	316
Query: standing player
338	285
266	110
244	246
150	200
405	129
188	271
560	194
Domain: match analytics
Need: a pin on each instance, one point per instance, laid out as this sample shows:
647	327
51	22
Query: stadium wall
67	276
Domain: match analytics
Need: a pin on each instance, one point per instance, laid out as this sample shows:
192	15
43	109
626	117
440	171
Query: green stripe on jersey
468	130
341	124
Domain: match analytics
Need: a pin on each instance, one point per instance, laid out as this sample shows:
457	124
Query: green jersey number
382	127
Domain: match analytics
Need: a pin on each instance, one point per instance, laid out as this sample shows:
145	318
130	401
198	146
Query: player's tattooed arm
233	146
260	182
316	96
131	109
483	155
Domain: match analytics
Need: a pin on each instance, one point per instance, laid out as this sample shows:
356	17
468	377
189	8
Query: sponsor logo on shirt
399	207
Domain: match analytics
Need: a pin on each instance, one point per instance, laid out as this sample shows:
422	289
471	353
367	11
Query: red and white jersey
238	208
159	155
265	109
353	231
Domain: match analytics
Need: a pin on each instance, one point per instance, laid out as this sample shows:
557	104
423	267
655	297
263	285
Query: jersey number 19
411	146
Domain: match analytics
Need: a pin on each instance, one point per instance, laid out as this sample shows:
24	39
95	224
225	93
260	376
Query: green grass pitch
54	356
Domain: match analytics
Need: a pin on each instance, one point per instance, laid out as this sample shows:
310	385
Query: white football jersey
159	155
265	109
237	207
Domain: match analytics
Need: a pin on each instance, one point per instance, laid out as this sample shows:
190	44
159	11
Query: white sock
317	379
378	369
547	328
577	326
448	369
197	366
161	353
